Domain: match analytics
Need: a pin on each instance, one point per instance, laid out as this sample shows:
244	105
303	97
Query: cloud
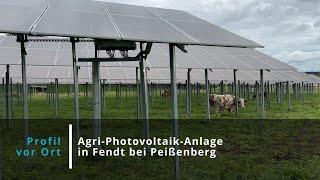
317	23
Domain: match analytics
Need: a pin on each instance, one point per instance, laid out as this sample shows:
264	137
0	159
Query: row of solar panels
94	19
198	57
49	60
47	74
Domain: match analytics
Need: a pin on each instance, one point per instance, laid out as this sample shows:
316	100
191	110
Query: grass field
160	108
286	147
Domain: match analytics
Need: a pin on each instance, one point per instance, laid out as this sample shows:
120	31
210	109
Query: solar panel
129	10
273	76
15	71
313	78
253	62
2	38
84	73
59	22
208	61
208	34
59	71
232	62
219	75
9	42
93	19
21	18
28	3
59	53
155	30
158	60
79	5
250	76
44	74
42	57
155	74
47	58
116	73
35	72
9	56
175	15
274	63
42	45
186	61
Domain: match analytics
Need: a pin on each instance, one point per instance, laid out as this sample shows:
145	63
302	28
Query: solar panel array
312	78
95	19
47	74
49	60
198	57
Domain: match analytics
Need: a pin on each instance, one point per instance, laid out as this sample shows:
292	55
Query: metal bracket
109	45
144	52
109	59
22	38
181	47
124	46
76	40
58	40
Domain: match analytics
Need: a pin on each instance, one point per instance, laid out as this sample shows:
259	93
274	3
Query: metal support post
86	94
189	94
75	88
303	92
8	110
174	106
187	98
207	94
52	94
103	96
22	39
96	97
120	94
269	95
137	93
3	99
11	97
288	95
144	100
257	95
56	100
262	94
235	91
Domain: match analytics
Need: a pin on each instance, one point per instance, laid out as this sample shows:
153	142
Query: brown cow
225	102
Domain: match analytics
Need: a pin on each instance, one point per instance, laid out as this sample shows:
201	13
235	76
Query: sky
289	29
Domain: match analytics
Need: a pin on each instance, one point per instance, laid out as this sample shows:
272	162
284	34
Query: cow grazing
165	94
241	102
225	102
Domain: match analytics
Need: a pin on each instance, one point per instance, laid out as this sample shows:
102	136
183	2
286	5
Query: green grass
286	147
160	108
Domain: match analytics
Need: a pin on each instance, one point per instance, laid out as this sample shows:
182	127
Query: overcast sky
289	29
